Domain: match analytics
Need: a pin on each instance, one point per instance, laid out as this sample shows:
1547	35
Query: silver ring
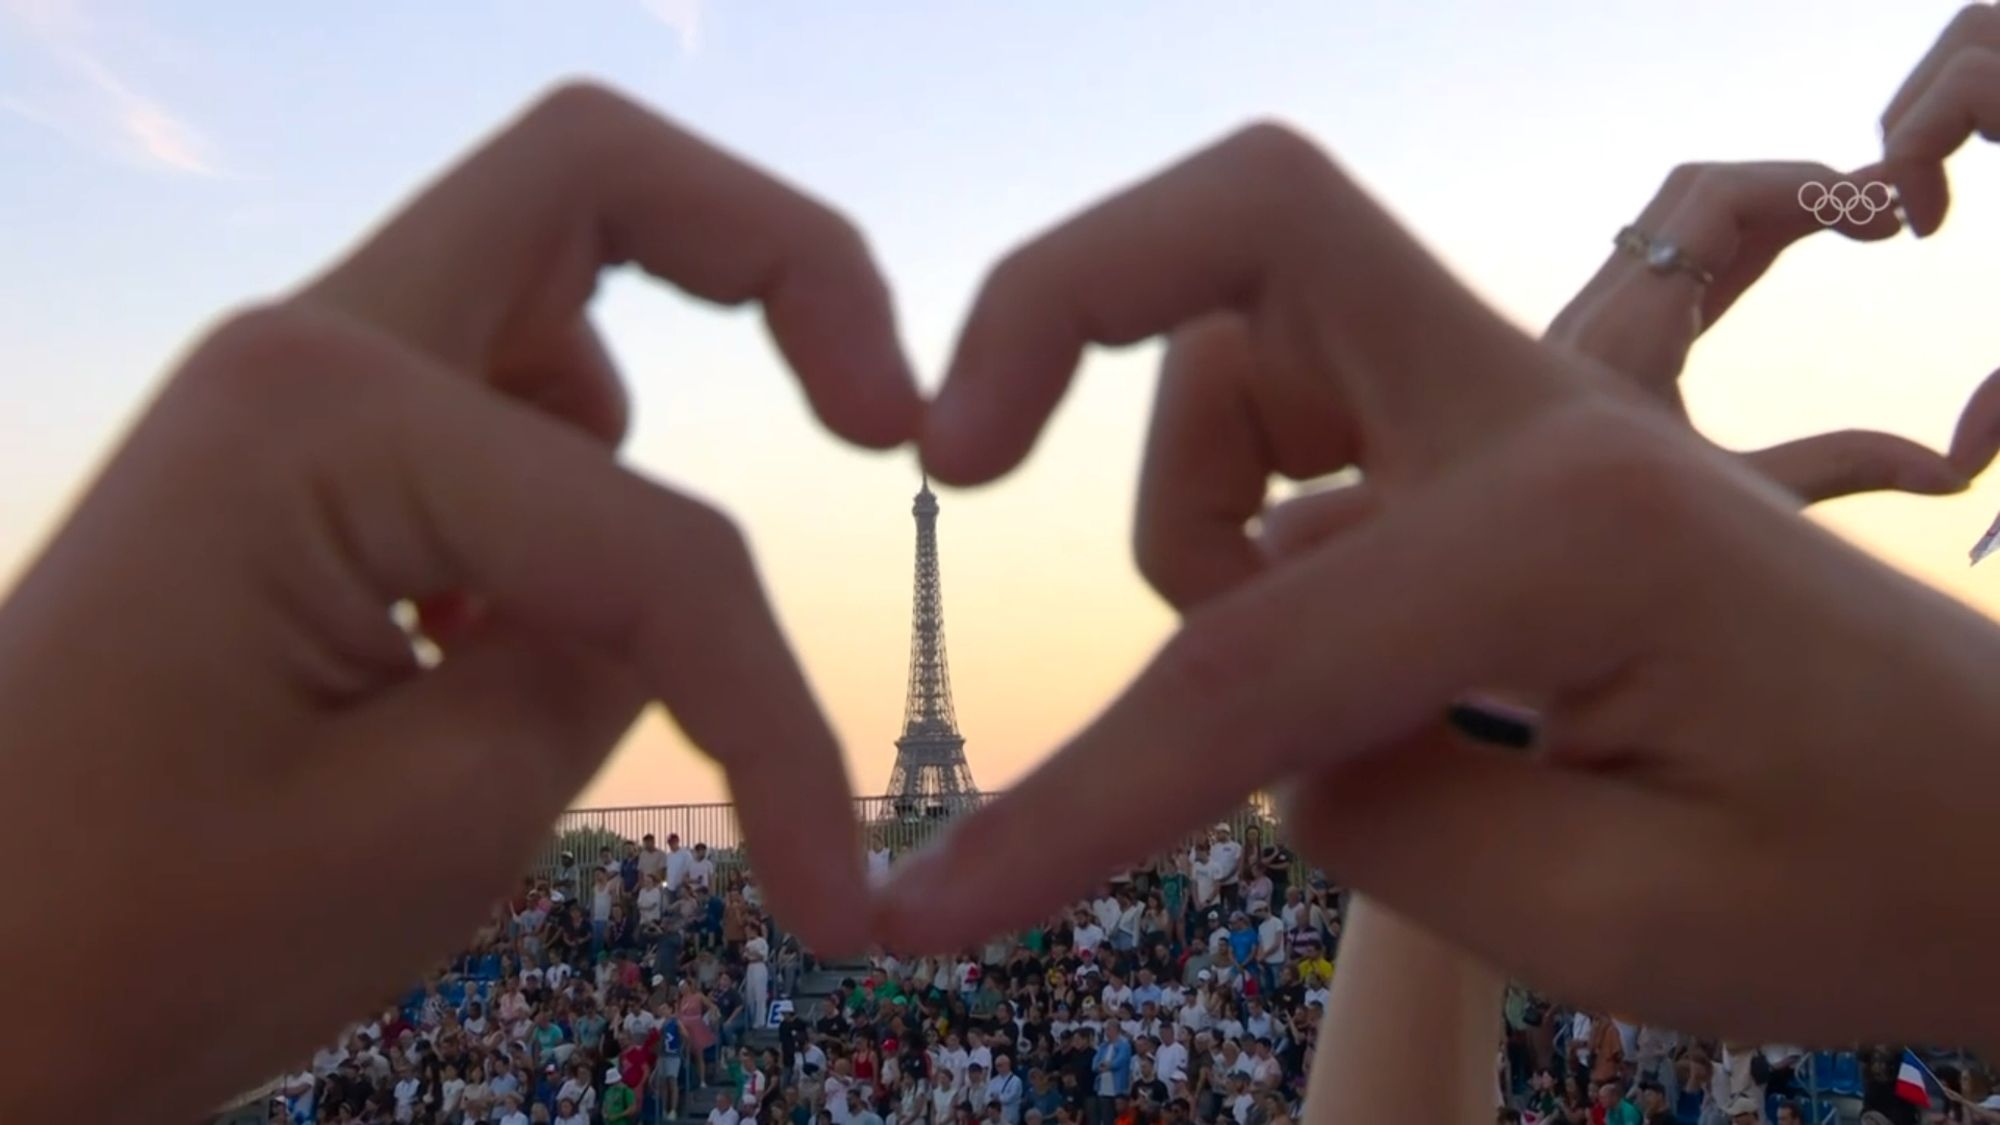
1660	255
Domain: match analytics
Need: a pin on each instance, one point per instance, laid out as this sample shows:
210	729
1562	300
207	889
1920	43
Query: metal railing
900	824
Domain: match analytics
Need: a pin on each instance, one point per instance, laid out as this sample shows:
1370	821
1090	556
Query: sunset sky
162	162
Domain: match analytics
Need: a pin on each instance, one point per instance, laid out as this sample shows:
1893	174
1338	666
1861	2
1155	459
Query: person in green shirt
620	1106
1618	1111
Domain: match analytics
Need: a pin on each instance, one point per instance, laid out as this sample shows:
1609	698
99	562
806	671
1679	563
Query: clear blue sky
161	162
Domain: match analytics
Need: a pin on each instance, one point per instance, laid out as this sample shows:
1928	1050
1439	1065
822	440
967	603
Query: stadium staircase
813	991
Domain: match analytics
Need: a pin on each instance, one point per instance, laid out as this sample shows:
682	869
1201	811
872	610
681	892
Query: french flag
1916	1084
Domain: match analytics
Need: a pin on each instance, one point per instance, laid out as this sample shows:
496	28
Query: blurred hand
200	681
1527	525
1735	220
1953	92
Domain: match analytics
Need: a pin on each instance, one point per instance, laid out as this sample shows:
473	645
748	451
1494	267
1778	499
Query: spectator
621	1106
701	871
1613	1109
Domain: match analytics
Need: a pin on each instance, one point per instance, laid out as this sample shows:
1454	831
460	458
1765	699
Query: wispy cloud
683	17
92	104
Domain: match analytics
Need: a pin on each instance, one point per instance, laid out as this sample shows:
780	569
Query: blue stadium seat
1837	1073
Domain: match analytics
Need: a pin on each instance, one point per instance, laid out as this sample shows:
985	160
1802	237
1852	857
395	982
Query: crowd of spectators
596	994
1189	991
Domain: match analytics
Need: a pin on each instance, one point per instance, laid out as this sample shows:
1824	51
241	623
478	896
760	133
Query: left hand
203	662
1527	521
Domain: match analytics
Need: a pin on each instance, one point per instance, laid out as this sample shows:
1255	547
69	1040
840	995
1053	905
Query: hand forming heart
1527	526
1731	699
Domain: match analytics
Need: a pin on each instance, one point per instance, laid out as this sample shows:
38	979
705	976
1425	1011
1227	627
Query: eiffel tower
931	778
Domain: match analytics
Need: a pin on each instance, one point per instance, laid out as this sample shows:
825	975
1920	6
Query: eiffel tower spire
931	777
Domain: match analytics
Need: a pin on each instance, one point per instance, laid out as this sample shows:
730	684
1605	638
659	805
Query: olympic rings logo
1844	200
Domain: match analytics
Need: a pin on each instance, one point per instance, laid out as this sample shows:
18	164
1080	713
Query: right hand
1696	647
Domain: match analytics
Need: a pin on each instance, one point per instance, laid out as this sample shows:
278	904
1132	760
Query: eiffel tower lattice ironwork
931	777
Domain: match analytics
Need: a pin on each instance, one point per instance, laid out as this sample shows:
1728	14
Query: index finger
1263	224
586	180
1326	657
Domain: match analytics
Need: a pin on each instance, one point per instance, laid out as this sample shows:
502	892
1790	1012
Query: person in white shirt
652	861
1172	1056
1117	994
449	1091
1265	1070
946	1095
677	864
879	858
651	899
407	1086
955	1057
813	1056
977	1053
1257	1022
757	976
639	1024
1007	1089
1087	935
1240	1101
1106	909
1270	944
1207	894
1194	1014
1225	858
724	1112
512	1115
568	1114
326	1060
1125	929
976	1088
701	869
602	895
1060	1024
834	1091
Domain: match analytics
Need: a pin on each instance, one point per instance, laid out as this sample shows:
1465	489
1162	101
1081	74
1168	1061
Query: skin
384	434
1692	644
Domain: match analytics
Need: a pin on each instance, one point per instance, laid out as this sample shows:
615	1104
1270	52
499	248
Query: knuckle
716	535
1684	177
830	232
1973	23
579	102
1016	272
1159	555
585	123
259	352
1280	155
1971	71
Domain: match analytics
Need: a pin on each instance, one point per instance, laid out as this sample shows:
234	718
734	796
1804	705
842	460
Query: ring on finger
1662	256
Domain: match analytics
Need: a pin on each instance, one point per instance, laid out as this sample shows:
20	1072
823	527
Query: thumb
1847	462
